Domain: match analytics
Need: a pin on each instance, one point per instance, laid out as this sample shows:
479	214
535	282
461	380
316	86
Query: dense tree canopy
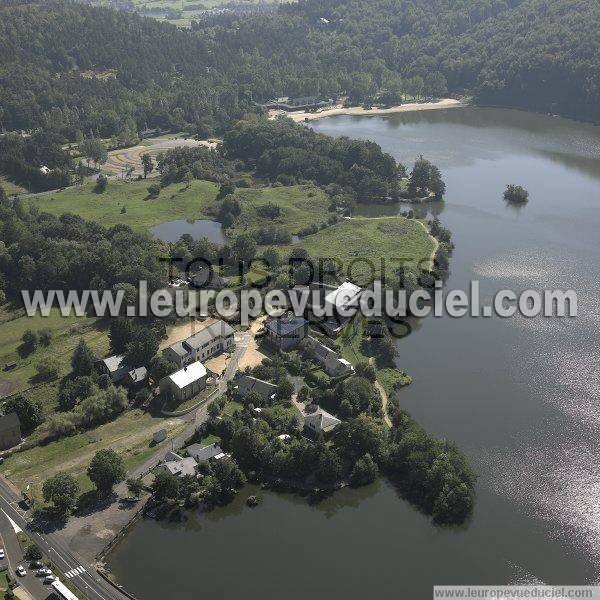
82	70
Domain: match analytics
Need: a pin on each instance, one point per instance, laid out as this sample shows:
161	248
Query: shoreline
360	111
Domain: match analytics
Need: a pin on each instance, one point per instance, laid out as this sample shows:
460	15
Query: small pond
173	230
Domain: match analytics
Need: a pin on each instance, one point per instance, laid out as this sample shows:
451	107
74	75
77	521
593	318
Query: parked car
21	572
36	564
49	578
1	553
45	571
131	499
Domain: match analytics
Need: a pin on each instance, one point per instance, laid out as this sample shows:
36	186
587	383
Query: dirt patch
253	356
6	387
218	364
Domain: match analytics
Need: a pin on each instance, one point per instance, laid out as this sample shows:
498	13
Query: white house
185	383
214	337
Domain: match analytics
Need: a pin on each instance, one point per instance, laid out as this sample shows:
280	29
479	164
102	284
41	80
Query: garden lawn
370	247
175	201
300	205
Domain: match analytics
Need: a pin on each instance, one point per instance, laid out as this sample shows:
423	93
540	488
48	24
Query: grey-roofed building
286	332
247	384
214	337
115	366
10	431
332	363
178	354
136	378
320	421
204	453
159	436
180	466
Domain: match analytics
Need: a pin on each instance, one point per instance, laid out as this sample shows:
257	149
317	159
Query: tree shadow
25	350
93	501
48	520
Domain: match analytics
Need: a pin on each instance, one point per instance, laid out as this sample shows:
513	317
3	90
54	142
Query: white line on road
15	527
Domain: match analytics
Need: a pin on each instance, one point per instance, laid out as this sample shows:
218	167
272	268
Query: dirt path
384	397
125	441
252	357
120	160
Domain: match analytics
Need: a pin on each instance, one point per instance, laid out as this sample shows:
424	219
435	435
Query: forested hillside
72	67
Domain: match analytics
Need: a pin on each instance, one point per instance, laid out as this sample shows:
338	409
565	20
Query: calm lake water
173	230
519	396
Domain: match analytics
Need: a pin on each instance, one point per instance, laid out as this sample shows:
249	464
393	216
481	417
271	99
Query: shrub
47	369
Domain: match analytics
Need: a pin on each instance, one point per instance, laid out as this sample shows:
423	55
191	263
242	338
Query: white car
21	572
1	553
44	571
49	578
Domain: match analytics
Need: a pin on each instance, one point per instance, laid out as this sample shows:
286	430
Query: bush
153	190
30	340
365	471
33	553
47	369
101	184
45	337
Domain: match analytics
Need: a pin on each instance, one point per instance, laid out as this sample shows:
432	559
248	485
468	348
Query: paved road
83	574
14	557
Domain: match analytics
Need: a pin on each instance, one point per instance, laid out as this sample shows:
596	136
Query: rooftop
184	466
114	363
207	334
344	296
189	374
248	384
138	375
202	453
285	325
321	420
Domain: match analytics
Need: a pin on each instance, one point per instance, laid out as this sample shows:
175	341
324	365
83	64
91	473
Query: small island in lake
515	194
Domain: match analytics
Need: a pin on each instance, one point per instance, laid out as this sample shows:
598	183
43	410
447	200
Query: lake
202	228
519	396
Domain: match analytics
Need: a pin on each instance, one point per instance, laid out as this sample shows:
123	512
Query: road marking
15	527
74	572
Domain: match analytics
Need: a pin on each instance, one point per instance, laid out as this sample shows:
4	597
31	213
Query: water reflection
519	396
173	230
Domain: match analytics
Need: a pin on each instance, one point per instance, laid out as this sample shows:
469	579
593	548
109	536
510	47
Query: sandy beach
359	110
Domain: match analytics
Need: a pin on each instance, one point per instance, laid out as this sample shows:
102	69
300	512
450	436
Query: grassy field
66	333
368	248
9	187
300	207
175	202
189	9
130	435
